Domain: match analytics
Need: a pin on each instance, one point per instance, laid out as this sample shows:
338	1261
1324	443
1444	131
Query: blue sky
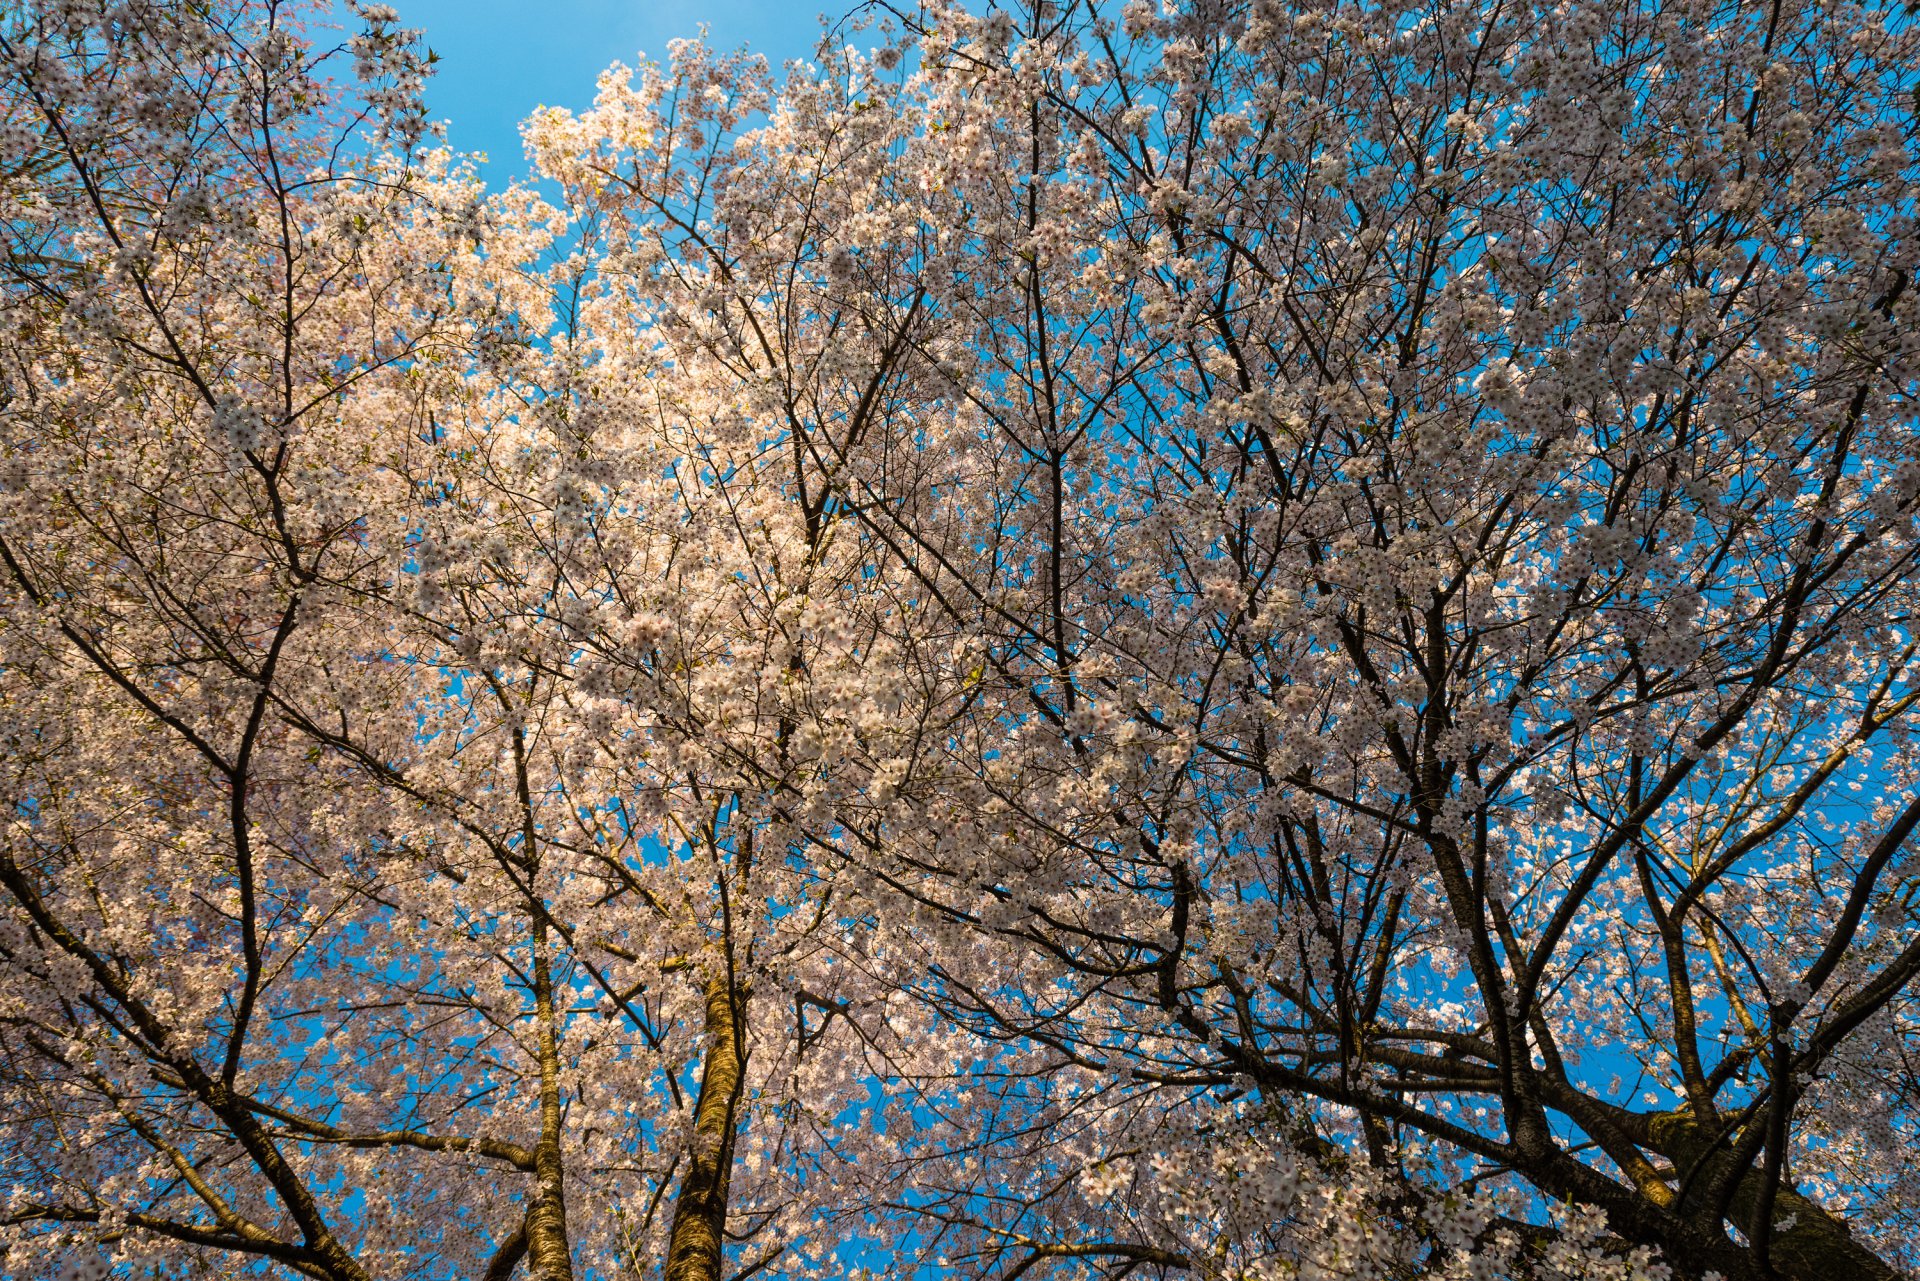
499	59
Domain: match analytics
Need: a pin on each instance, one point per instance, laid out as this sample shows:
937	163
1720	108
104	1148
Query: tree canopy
1237	639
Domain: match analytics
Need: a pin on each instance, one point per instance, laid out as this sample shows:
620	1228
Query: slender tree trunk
700	1213
550	1258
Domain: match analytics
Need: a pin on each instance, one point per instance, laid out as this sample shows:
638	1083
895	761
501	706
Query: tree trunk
1815	1246
550	1257
700	1213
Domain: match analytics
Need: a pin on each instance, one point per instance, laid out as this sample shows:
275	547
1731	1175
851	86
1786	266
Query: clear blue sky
499	59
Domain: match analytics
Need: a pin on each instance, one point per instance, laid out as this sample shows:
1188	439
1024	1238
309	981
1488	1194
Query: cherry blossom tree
211	989
398	683
1441	488
1248	639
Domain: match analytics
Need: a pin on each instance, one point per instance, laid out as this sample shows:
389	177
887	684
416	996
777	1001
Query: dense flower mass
1230	638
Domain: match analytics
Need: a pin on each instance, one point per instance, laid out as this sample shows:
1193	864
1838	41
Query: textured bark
694	1248
550	1258
508	1256
1815	1247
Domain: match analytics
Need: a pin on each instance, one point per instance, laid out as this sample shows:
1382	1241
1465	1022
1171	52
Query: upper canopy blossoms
1270	640
1423	496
